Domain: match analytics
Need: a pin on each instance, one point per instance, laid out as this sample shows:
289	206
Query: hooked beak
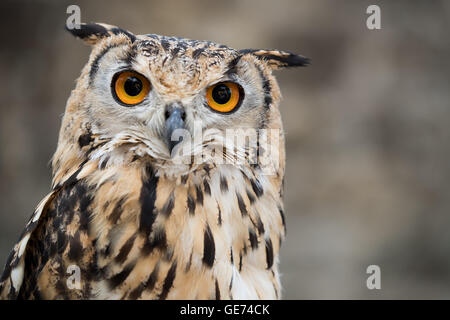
175	117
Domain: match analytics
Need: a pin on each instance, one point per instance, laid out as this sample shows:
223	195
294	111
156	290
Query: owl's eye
224	96
130	87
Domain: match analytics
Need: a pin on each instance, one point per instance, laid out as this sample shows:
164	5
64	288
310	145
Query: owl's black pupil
133	86
221	94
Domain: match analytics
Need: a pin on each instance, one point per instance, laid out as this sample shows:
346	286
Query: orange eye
130	87
224	96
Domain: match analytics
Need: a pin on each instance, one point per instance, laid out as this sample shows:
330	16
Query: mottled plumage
138	221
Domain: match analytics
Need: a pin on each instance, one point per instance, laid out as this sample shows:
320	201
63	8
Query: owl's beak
175	117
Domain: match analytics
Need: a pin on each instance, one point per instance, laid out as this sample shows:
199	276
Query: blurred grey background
367	125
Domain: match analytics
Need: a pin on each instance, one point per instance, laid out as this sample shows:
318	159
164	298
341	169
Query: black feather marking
197	52
240	261
199	194
130	57
76	249
126	248
175	51
84	140
223	184
106	251
37	294
168	254
120	277
7	270
253	239
153	277
147	200
217	290
283	218
260	226
117	211
191	204
188	265
251	198
207	187
276	291
117	31
267	88
73	178
241	205
12	292
232	66
89	29
61	288
231	282
282	58
168	206
290	60
104	162
96	61
95	147
165	44
168	281
85	199
159	238
257	188
62	241
209	248
269	253
137	292
148	284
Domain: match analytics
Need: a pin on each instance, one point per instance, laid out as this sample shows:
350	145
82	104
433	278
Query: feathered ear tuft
91	33
278	59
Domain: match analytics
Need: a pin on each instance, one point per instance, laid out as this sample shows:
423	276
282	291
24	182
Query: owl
167	177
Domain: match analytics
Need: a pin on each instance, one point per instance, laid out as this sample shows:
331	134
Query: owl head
169	102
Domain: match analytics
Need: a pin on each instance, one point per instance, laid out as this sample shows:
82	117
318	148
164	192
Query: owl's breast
211	234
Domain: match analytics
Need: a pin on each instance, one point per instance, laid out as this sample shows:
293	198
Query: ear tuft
91	33
278	59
